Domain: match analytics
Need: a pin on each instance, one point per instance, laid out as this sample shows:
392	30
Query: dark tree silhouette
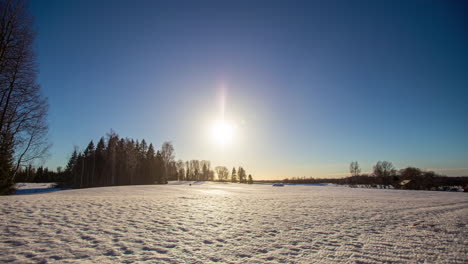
250	180
384	170
23	110
354	168
223	173
233	175
242	175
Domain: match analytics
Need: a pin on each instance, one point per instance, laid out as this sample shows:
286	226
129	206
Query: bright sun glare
223	132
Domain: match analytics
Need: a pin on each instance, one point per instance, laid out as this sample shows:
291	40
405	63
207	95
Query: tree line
124	161
385	175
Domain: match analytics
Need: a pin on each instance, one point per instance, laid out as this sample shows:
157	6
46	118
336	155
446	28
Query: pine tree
150	165
242	175
100	162
204	172
160	170
250	181
80	170
113	138
233	175
90	163
70	178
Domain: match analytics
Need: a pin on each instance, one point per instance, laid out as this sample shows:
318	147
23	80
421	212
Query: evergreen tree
242	175
89	164
100	162
70	178
160	169
204	172
80	170
111	154
233	175
125	161
150	165
250	180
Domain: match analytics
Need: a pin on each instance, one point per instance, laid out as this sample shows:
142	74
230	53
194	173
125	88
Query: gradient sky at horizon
312	85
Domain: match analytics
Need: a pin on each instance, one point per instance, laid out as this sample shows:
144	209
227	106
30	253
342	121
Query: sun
223	132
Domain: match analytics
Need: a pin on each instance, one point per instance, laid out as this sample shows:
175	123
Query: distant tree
90	163
250	180
160	169
242	175
167	154
150	165
100	162
111	158
80	166
211	175
410	173
384	170
71	179
187	171
195	170
142	149
132	161
180	170
354	168
206	168
233	175
122	173
222	172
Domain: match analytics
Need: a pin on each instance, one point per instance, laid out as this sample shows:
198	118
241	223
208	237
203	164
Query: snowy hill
234	223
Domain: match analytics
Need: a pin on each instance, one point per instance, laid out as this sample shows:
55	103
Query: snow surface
234	223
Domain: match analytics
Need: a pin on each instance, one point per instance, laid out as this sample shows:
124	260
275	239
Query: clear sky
309	85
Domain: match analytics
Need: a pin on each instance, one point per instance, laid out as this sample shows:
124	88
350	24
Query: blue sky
310	85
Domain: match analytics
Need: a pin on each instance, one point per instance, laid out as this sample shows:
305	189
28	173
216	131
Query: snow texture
234	223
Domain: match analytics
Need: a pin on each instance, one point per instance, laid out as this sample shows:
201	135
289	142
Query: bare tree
354	168
23	110
167	152
222	172
195	169
384	169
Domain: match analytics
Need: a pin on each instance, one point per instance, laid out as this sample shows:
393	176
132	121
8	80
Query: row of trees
385	174
23	110
118	161
39	174
236	176
124	161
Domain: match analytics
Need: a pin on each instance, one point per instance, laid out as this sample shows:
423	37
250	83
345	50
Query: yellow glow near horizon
223	132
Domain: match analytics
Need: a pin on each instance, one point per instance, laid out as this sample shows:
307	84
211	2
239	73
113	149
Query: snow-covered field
233	223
